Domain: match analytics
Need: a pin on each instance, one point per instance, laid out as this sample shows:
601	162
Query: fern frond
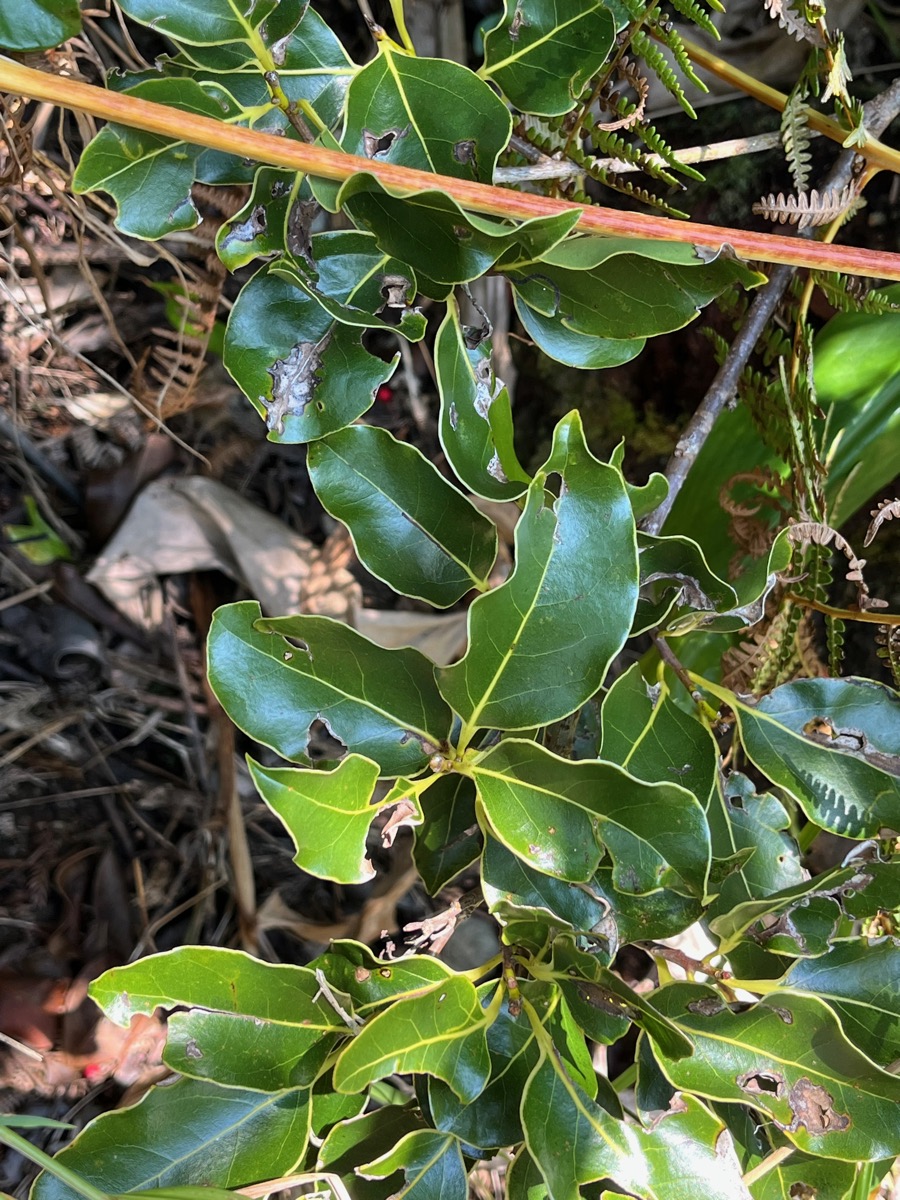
692	11
634	191
888	639
618	148
642	44
665	32
629	73
886	511
848	295
795	137
809	208
795	25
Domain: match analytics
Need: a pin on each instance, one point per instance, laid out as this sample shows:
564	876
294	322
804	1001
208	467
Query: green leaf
372	982
624	288
678	589
410	527
649	736
860	980
150	176
382	704
327	814
444	243
603	1005
38	24
425	113
515	891
355	282
788	1057
491	1121
188	1132
37	540
559	816
448	840
216	21
847	781
239	1021
541	643
353	1142
574	1141
543	52
583	350
306	374
652	917
440	1033
476	428
259	229
802	1175
432	1163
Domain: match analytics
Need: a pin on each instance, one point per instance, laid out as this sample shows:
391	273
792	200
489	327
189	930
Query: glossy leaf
621	288
381	703
439	1033
476	427
150	176
357	283
559	816
432	1163
410	527
238	1021
372	982
846	780
448	840
860	980
788	1057
188	1132
801	1175
444	243
541	643
651	917
216	21
293	361
327	814
551	334
259	228
38	24
353	1142
574	1141
393	116
543	52
492	1119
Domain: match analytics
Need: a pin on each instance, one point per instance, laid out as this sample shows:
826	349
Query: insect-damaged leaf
381	703
574	1141
150	176
238	1021
544	51
559	816
476	427
439	1033
305	373
327	814
410	527
259	229
432	1163
189	1132
834	744
541	643
393	116
788	1057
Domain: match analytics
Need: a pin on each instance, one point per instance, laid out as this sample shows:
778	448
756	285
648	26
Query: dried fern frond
795	137
809	208
839	73
848	294
886	511
816	533
794	24
628	72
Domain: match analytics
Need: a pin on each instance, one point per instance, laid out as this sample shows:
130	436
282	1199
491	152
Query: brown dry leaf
198	524
440	636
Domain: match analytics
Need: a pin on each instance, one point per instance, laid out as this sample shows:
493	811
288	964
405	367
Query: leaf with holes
476	427
237	1021
381	703
834	744
425	113
440	1033
259	229
295	363
541	643
560	816
190	1132
788	1057
543	52
410	527
327	814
